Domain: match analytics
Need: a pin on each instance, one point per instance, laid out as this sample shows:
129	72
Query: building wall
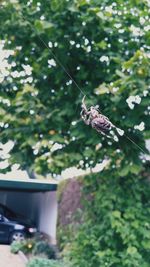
48	214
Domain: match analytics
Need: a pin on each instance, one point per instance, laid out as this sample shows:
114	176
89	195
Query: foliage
40	262
16	247
26	246
39	102
36	246
44	248
116	224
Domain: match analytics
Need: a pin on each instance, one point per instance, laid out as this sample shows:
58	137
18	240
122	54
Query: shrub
116	224
16	246
43	247
26	246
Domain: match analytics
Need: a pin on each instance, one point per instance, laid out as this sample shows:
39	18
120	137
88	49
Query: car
13	227
8	213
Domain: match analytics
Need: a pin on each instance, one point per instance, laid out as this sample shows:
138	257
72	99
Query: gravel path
7	259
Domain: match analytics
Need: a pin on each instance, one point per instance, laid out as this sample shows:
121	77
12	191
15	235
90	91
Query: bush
15	247
40	262
116	224
26	246
43	247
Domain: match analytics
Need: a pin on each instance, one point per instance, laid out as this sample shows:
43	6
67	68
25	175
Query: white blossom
52	63
120	131
72	42
118	25
115	89
88	49
140	127
104	59
145	93
132	100
42	17
142	21
109	9
28	69
136	31
116	138
86	41
147	28
50	44
56	146
77	45
137	99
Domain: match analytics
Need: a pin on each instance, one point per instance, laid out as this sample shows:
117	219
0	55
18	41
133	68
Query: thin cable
135	144
132	141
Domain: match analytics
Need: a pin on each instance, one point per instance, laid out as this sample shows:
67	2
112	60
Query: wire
127	137
139	147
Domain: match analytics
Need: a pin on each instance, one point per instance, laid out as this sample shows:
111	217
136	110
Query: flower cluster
132	100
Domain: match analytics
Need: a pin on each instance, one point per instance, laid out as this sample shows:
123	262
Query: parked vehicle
13	227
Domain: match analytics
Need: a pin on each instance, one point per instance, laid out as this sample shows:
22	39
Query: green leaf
134	168
124	171
101	89
43	25
131	250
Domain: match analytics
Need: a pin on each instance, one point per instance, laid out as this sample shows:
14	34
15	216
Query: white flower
86	41
28	69
42	17
137	99
145	93
109	9
118	25
104	59
29	79
31	111
115	89
88	49
140	127
50	44
72	42
131	100
142	21
52	63
147	28
56	146
77	45
116	138
120	132
136	31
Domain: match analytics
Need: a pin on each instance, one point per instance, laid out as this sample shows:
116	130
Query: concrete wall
48	214
38	207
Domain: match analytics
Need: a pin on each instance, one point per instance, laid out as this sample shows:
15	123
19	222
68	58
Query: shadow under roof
28	185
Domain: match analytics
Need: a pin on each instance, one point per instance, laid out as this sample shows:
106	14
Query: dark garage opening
34	199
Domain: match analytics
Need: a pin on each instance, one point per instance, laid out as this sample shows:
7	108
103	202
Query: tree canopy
104	46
